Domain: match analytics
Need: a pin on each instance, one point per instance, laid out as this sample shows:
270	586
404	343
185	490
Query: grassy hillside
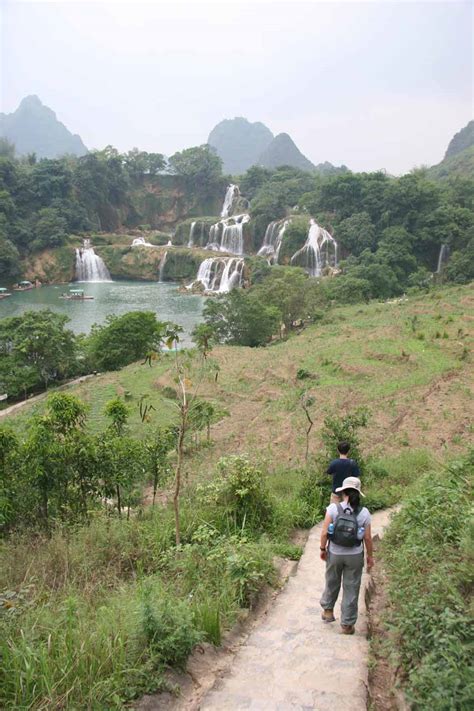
408	361
91	616
460	164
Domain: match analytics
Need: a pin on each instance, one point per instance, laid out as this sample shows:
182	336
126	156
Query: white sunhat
351	482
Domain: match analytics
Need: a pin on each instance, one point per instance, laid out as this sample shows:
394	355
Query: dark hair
354	497
343	447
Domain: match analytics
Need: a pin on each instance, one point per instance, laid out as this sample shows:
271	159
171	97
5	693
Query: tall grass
428	557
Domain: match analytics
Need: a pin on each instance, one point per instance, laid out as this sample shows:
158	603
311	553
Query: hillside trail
291	660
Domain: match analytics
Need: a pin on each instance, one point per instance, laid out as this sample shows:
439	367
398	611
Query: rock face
283	151
34	128
239	143
461	140
459	156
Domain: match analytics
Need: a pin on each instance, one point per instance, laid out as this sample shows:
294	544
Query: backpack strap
340	510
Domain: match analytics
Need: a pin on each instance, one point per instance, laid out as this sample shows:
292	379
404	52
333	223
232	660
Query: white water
319	251
193	233
232	193
89	266
141	242
220	274
442	258
272	240
228	235
162	266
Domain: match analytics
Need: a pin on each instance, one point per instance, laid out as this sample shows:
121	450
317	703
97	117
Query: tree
37	342
123	459
158	447
356	233
284	289
240	318
50	229
200	166
9	259
124	339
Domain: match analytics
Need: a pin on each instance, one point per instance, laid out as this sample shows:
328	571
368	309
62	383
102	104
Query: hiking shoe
347	629
328	616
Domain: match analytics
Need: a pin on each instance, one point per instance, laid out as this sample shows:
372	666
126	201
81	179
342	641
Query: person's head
343	447
350	491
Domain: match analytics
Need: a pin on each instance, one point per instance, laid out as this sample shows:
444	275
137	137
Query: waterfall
319	251
141	242
442	258
228	235
191	234
162	266
89	266
220	274
272	240
232	193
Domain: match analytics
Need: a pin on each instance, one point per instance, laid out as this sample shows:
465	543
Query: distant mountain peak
34	128
239	143
284	151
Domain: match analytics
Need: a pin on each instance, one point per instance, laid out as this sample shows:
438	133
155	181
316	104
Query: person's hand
323	554
370	562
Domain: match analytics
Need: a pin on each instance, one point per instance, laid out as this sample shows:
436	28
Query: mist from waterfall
318	252
220	274
272	240
89	266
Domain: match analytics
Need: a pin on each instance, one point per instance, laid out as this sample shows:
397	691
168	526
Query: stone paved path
293	661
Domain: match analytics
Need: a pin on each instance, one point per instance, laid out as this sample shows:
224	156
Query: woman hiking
347	528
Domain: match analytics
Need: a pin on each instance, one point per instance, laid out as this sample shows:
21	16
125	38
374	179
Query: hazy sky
372	85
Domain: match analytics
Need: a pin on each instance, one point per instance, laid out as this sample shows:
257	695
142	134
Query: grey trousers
349	568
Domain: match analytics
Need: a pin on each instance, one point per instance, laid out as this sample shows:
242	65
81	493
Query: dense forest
390	230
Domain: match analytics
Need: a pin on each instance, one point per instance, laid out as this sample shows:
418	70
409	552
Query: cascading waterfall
220	274
272	240
162	266
319	251
89	266
232	194
193	230
442	258
228	235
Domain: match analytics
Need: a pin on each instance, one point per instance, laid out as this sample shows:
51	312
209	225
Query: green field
88	606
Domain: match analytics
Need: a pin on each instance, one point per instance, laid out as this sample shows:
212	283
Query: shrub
240	495
168	628
430	579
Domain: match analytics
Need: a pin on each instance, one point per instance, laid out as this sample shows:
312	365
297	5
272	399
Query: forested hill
459	157
34	128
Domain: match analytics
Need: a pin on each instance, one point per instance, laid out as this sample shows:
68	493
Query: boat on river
23	286
4	293
76	295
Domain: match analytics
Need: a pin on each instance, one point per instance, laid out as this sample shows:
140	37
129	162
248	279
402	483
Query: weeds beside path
292	659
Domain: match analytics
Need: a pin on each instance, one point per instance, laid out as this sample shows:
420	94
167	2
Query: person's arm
356	469
324	537
369	546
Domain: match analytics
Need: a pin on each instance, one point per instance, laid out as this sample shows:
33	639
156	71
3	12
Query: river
116	298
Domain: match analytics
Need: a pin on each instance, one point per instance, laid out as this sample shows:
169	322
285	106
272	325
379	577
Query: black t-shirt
339	469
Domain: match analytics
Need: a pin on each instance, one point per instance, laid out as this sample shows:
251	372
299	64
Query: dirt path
293	660
287	659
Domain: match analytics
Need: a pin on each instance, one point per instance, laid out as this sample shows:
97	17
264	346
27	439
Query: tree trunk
177	487
119	500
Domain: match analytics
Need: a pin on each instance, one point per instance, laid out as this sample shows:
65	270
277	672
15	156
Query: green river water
111	298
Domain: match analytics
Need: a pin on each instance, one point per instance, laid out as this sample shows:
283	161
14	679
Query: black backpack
345	528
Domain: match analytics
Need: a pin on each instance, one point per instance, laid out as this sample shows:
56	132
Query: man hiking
340	469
